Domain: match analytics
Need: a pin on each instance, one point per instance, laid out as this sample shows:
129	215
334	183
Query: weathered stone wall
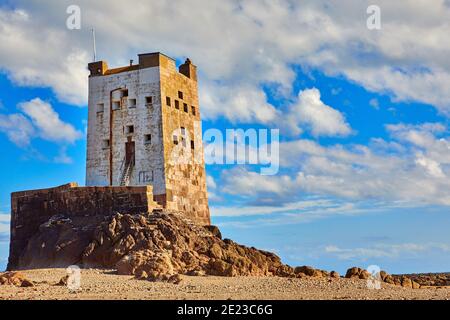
144	117
185	175
30	209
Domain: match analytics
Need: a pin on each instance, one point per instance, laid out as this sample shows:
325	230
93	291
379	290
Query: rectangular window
175	139
192	144
106	144
116	105
149	100
185	108
125	93
100	107
168	101
180	95
131	103
177	104
130	130
148	139
193	111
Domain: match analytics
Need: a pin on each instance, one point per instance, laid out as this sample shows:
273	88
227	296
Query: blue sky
363	117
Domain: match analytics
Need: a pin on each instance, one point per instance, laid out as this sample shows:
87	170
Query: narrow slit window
194	112
180	95
100	107
131	103
168	101
177	104
185	108
192	145
106	144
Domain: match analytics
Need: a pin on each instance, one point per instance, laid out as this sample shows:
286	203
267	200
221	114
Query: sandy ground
103	284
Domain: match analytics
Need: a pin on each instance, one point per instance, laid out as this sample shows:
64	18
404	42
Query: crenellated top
146	60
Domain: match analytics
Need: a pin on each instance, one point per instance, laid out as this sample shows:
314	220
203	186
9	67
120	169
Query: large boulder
154	245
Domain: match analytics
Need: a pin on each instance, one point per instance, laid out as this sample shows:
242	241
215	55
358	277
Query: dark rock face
157	245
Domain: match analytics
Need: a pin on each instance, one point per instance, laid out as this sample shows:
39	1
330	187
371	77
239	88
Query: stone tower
144	128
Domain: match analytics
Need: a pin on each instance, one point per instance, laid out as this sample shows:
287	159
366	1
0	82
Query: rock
143	276
63	281
353	272
17	279
364	275
383	275
389	279
415	285
159	244
175	279
334	274
406	282
215	231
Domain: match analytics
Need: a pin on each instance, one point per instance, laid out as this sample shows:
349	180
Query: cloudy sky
363	115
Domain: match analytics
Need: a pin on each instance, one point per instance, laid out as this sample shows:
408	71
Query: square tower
144	128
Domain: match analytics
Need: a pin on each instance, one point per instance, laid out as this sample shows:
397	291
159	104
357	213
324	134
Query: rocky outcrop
155	245
17	279
431	279
403	281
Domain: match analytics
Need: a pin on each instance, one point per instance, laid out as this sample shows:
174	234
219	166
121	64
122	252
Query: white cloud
374	103
62	157
18	129
320	119
4	223
244	46
47	122
5	218
413	167
241	104
384	250
33	53
211	183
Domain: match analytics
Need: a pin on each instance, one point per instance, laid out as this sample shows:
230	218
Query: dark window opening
168	101
192	144
148	139
125	93
131	103
130	130
148	100
180	95
193	111
185	107
106	144
177	104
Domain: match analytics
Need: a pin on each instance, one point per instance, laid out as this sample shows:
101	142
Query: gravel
105	284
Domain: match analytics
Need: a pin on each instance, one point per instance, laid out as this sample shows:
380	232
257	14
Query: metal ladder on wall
126	174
